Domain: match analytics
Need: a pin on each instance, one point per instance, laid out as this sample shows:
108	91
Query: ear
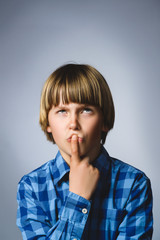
49	129
104	128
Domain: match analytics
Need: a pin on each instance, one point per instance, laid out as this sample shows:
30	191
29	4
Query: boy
83	193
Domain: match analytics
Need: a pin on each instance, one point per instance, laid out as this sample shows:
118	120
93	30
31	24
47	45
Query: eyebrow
82	105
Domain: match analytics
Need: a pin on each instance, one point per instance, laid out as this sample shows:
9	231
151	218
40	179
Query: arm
138	222
35	223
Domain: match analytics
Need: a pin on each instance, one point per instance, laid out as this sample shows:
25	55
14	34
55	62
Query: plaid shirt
120	208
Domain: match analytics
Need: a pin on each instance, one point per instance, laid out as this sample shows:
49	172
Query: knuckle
83	165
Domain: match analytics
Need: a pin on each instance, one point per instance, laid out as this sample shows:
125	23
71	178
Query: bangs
76	88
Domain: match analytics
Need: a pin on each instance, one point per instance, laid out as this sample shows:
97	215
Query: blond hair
77	83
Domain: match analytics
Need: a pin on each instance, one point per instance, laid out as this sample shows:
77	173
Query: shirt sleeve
138	222
34	222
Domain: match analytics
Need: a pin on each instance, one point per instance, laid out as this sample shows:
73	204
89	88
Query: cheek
54	128
57	129
94	128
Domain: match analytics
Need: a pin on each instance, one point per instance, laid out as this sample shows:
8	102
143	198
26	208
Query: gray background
121	39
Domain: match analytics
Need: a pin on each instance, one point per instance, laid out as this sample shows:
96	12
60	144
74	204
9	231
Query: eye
62	111
87	110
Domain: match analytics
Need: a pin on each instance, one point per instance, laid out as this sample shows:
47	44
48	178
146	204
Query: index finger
75	149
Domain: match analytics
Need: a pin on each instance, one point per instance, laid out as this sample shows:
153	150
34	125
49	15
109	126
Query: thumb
74	149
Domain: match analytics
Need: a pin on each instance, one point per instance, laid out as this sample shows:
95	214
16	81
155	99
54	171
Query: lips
80	139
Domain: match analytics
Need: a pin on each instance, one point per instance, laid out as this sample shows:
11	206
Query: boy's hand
83	176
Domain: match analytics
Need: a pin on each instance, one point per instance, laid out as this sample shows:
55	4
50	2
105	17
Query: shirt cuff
76	209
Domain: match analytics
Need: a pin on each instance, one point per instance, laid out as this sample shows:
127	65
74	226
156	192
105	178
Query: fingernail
74	137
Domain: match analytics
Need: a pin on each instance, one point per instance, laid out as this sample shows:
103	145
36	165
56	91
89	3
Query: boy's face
85	121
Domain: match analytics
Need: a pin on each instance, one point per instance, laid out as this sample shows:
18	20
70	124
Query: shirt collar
102	162
61	168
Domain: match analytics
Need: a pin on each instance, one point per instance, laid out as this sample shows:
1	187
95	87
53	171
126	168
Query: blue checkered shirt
120	208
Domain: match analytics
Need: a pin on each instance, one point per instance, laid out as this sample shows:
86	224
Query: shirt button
84	210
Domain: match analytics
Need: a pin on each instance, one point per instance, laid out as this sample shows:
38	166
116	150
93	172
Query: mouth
80	139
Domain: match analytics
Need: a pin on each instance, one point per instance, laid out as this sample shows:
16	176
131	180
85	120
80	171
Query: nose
74	123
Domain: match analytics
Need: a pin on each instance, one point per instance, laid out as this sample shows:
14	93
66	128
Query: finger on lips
74	143
74	147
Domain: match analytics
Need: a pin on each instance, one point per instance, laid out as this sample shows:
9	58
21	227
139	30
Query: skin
76	129
83	176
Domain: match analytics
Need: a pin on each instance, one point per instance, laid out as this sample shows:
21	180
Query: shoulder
123	175
127	184
129	180
126	170
40	174
117	169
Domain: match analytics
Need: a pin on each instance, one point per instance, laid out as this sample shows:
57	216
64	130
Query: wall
121	39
